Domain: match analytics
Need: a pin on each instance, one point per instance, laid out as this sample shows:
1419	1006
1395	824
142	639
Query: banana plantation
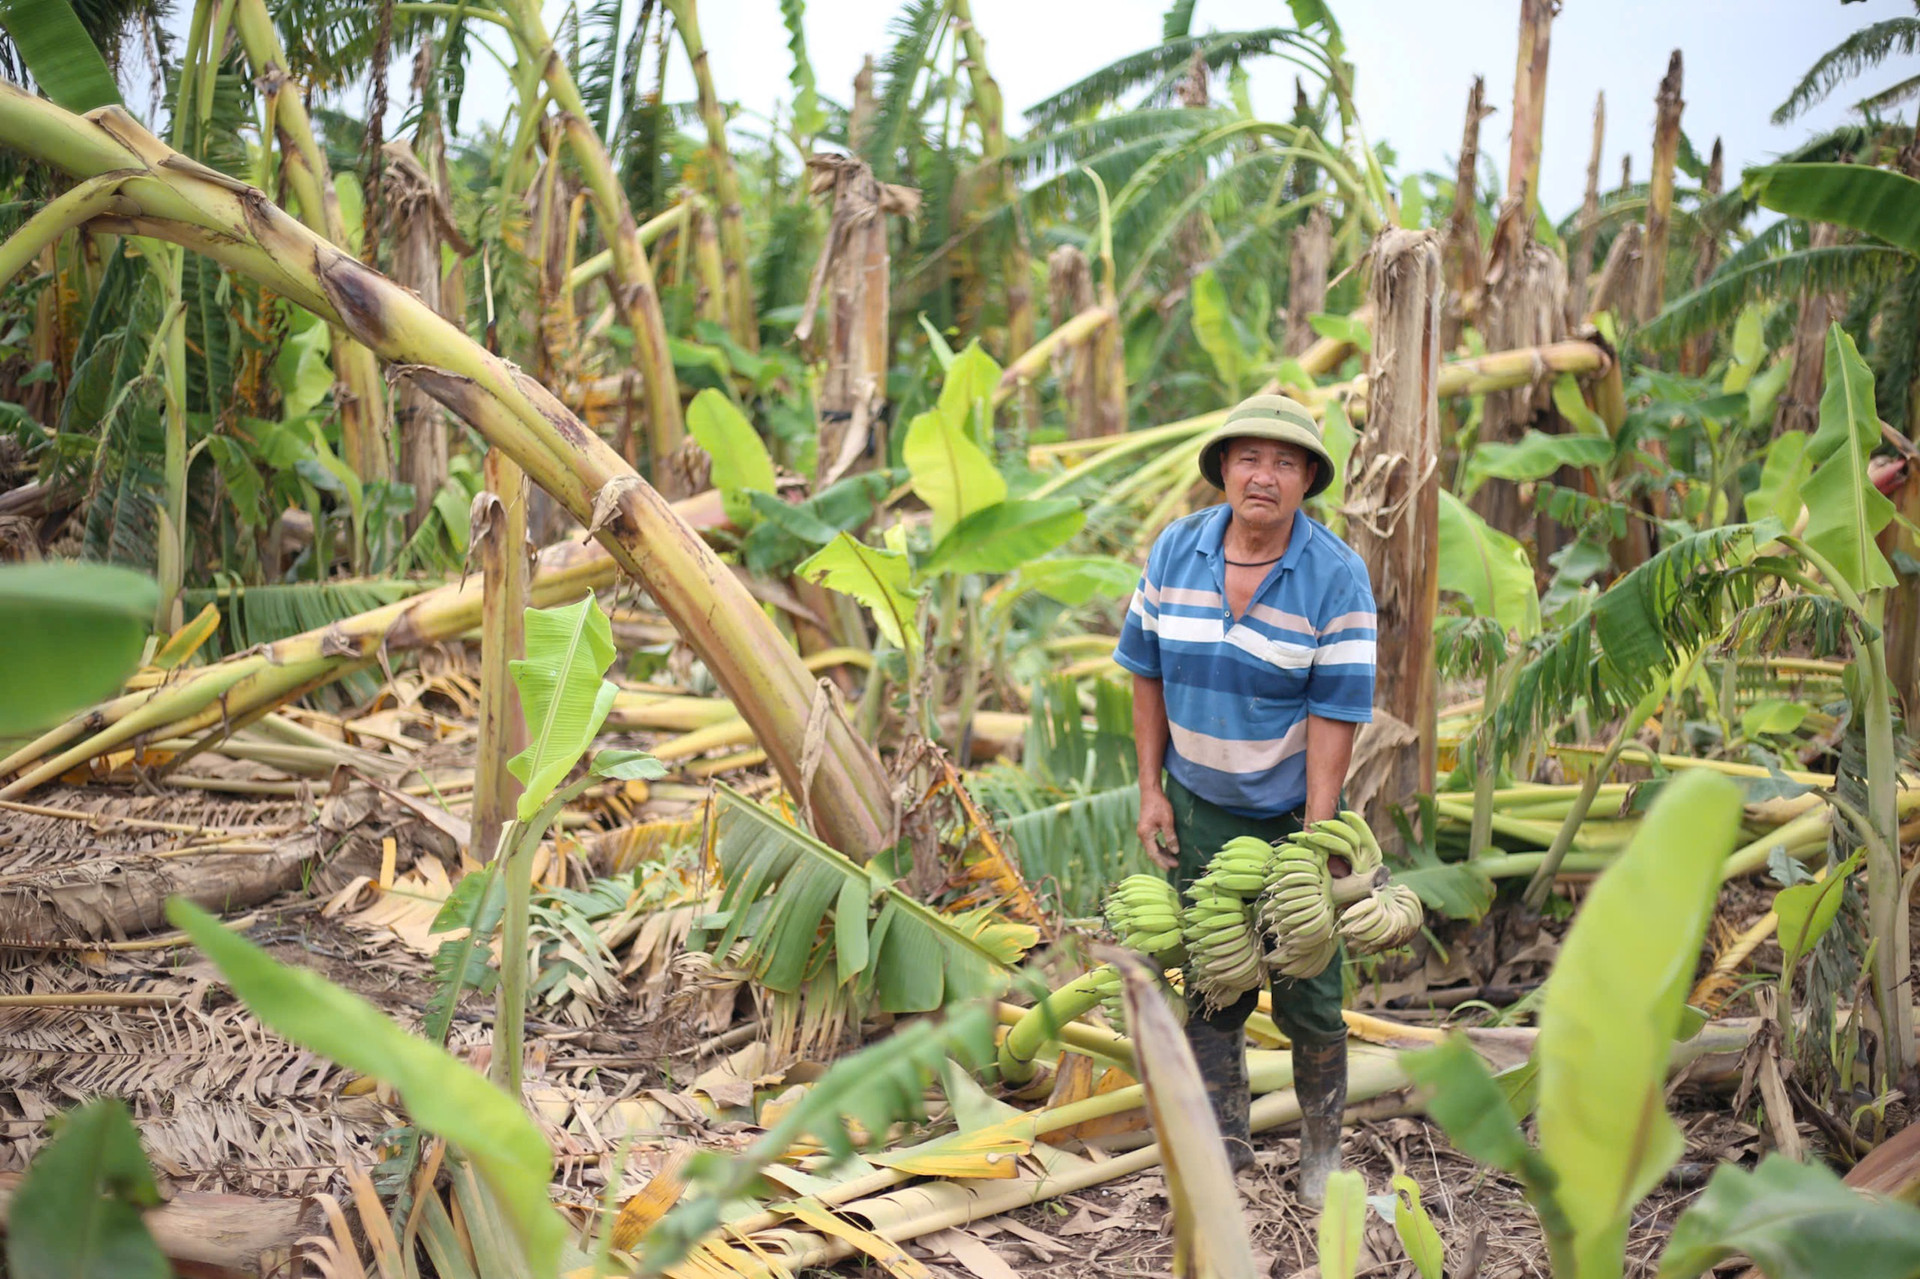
600	682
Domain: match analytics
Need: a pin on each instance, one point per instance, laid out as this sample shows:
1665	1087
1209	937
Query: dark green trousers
1306	1011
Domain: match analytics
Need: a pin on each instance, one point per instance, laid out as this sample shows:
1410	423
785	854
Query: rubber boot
1320	1081
1221	1053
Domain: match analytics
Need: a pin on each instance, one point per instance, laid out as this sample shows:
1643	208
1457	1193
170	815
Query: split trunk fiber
171	197
1580	266
414	218
1310	253
1393	507
1526	284
853	273
1666	152
1466	267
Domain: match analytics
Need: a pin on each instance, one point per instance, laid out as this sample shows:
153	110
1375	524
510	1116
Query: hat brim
1281	430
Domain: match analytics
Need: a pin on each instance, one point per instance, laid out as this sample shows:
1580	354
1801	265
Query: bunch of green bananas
1143	912
1242	866
1223	943
1114	1005
1297	910
1347	836
1382	920
1254	893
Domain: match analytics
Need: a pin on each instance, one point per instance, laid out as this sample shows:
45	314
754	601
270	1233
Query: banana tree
168	196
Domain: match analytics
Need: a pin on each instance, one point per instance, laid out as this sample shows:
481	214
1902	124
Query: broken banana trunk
174	198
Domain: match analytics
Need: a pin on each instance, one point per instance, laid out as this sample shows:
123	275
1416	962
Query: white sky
1415	60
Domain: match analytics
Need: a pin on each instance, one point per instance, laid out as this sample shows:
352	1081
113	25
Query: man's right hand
1156	830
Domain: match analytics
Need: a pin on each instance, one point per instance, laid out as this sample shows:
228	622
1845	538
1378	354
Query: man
1251	643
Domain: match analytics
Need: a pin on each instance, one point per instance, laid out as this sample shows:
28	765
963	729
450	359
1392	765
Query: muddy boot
1320	1079
1221	1053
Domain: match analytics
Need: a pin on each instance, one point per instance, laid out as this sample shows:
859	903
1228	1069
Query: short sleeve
1340	685
1139	647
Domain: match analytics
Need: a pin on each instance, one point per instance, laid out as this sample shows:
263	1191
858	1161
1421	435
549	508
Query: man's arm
1150	734
1329	754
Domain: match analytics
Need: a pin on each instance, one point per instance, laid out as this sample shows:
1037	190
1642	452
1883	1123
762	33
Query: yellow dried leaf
643	1211
891	1256
985	1154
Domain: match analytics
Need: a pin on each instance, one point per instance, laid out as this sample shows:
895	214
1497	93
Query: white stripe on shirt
1345	653
1227	756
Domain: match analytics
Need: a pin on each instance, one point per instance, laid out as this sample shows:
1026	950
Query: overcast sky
1415	60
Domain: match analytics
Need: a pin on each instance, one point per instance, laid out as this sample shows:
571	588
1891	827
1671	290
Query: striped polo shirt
1239	691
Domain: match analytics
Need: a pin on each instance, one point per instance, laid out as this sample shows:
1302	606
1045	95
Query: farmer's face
1266	480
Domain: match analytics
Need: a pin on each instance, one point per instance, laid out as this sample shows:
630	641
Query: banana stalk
179	200
741	320
303	164
1032	362
673	219
635	291
500	530
1041	1024
1542	882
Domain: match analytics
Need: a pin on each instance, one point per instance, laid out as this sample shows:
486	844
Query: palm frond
1073	847
254	615
119	403
808	115
1868	47
1467	647
1835	268
1818	625
1177	21
1151	68
1894	378
1895	95
330	44
1678	602
792	908
1078	142
597	66
914	30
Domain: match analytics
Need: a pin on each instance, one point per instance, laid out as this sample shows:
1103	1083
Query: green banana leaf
741	463
73	634
877	578
1612	1007
1845	512
1796	1221
1006	535
77	1212
783	886
563	693
1486	567
951	474
1880	202
61	56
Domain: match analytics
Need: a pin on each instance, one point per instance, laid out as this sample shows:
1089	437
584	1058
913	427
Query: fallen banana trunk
216	700
164	194
121	894
215	1236
641	708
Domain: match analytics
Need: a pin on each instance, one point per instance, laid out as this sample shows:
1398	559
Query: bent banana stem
1348	889
1041	1024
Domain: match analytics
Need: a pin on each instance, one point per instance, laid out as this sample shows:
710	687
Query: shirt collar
1213	536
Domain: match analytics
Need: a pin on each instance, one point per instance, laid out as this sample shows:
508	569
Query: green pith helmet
1268	417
